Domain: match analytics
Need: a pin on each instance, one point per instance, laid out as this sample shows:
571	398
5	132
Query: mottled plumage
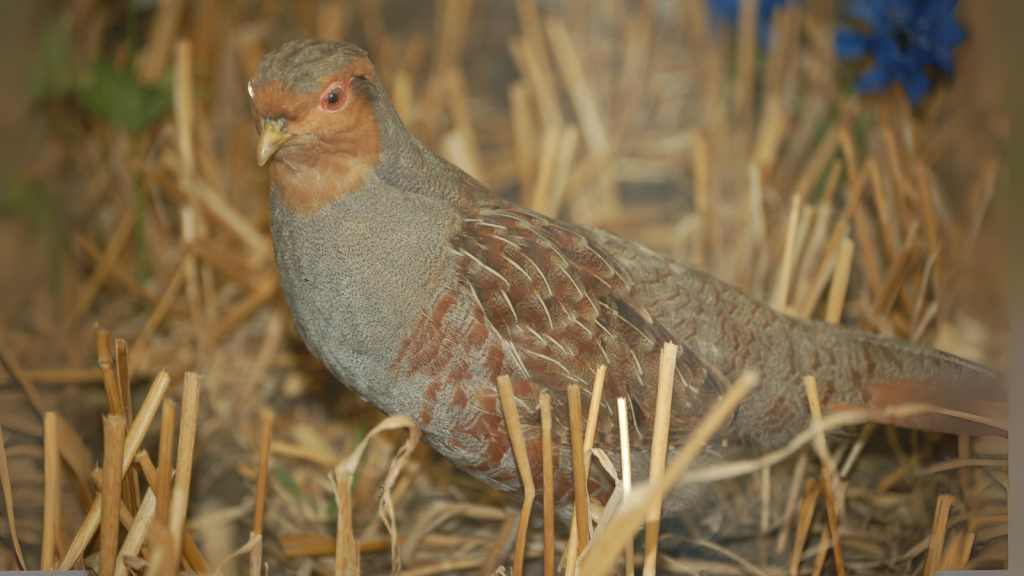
417	288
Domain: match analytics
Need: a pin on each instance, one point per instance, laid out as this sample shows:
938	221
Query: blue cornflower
904	38
730	10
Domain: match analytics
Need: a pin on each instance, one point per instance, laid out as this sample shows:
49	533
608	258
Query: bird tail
966	398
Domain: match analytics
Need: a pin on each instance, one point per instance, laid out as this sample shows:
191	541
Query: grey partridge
417	287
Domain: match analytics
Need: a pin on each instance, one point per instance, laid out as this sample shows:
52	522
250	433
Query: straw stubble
113	455
659	451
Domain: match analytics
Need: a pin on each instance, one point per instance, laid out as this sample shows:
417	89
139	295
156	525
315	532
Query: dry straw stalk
549	493
827	465
5	485
113	455
515	431
51	491
132	444
659	451
635	509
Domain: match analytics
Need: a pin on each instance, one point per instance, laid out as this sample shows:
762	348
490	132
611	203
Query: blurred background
752	139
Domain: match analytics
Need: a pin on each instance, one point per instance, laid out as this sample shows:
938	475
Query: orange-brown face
337	113
323	142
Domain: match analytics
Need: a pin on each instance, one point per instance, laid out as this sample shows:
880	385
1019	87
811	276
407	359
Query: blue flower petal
915	60
904	39
850	45
886	51
730	9
726	8
901	13
939	10
944	62
870	12
874	79
769	6
947	36
916	85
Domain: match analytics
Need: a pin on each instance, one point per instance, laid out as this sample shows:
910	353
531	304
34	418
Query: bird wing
567	306
854	369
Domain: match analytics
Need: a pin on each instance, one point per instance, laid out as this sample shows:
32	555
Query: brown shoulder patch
567	306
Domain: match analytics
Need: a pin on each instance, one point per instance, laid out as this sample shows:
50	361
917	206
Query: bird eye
333	99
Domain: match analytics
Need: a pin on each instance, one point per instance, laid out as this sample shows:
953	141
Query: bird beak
271	139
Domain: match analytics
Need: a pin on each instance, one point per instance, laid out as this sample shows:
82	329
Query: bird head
313	100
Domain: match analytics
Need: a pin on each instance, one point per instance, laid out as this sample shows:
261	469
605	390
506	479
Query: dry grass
643	118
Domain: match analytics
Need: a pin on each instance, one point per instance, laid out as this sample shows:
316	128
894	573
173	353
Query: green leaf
30	200
285	478
113	94
50	75
117	96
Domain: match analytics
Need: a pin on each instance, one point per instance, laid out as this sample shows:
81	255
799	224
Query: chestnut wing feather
567	306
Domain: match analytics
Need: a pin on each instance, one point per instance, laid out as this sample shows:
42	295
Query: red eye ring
334	98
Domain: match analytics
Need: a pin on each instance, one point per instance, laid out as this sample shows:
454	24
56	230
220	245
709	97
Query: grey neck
408	165
359	272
